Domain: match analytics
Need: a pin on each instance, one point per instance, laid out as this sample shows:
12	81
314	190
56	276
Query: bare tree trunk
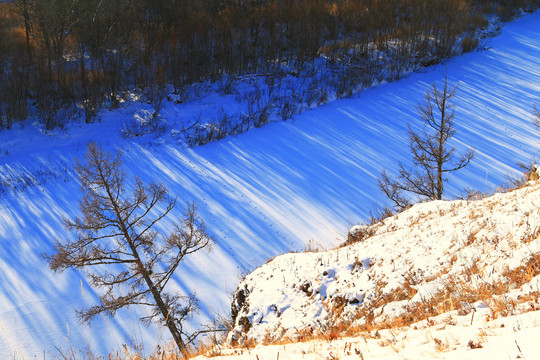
440	150
169	321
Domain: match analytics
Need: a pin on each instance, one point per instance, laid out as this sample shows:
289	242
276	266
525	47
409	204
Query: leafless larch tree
432	156
118	248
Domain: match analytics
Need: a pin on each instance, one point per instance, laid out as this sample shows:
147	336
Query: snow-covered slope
474	336
436	256
269	191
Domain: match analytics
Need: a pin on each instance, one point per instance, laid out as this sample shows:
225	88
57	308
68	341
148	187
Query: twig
64	356
518	348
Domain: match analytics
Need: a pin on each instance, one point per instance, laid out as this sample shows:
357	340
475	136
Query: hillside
272	190
439	275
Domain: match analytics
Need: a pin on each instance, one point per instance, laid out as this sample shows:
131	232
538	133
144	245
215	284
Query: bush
143	122
469	43
288	108
358	233
225	84
55	114
216	128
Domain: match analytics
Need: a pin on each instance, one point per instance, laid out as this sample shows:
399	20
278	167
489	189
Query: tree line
66	58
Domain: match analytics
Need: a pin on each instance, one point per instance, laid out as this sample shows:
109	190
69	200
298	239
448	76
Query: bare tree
119	250
432	156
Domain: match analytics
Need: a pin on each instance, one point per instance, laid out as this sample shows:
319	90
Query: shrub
469	43
359	233
143	122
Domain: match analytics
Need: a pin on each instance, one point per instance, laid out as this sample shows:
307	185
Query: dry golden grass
458	294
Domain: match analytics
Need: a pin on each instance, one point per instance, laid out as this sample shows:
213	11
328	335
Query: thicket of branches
55	54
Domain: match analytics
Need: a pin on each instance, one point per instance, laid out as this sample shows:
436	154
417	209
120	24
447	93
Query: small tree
432	156
118	248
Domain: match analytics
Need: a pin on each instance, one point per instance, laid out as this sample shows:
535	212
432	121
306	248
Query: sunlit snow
272	190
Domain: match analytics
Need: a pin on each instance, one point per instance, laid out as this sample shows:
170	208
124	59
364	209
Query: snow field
269	191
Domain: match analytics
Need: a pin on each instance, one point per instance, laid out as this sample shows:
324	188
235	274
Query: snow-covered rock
435	248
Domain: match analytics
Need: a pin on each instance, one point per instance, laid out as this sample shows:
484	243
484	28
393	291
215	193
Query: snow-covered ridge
449	250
